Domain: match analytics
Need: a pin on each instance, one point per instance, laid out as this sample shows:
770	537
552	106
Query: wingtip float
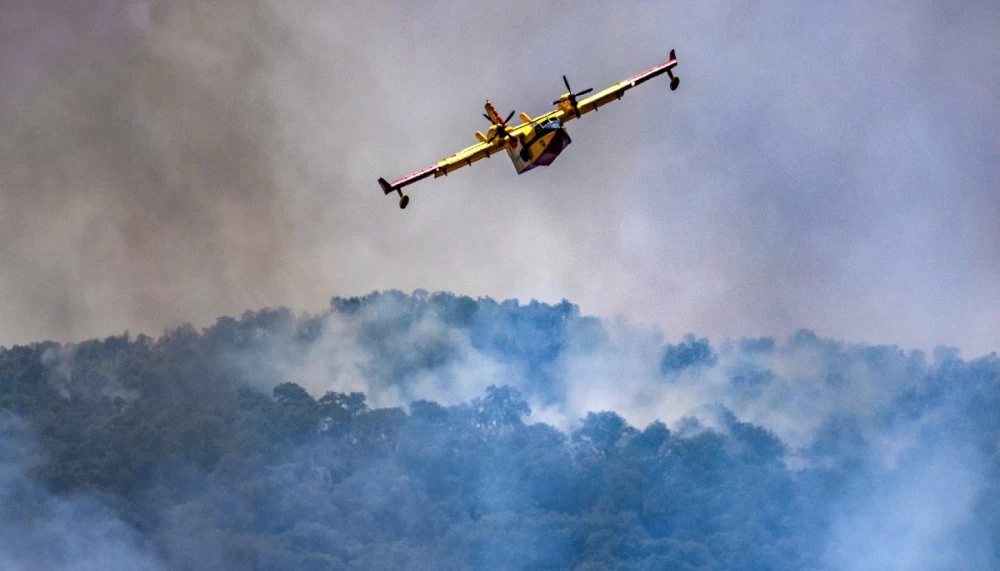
535	142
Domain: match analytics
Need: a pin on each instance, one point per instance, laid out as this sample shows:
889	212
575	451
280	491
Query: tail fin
493	115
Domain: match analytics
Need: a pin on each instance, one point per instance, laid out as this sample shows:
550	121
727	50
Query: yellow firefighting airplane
535	142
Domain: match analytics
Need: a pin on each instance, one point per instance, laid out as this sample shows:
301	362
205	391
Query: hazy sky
827	166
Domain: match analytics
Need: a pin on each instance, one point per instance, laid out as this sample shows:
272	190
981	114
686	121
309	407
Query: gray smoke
822	167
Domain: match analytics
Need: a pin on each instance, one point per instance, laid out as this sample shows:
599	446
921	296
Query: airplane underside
545	144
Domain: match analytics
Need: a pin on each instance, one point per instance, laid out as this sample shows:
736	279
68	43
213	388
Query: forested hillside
433	431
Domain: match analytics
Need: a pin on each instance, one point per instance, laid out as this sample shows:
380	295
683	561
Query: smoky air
777	353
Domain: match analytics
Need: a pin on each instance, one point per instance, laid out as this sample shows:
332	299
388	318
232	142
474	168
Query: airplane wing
617	91
463	158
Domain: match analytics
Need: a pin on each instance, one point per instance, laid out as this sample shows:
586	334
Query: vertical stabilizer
493	115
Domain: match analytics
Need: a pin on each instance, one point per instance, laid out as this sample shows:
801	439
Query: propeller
572	96
501	128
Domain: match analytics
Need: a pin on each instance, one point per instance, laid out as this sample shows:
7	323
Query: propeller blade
509	116
566	81
557	102
584	92
487	117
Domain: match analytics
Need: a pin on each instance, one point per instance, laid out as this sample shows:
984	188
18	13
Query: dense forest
435	431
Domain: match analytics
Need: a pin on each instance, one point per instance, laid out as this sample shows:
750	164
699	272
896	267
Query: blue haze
755	453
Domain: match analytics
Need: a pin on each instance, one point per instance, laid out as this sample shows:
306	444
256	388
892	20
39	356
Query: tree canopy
214	448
